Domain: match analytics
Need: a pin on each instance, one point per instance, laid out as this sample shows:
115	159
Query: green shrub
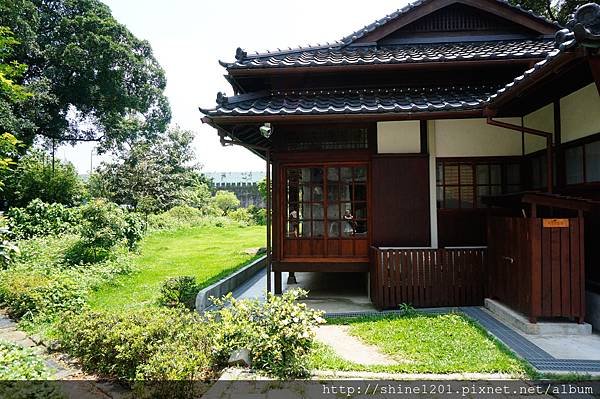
279	333
242	216
20	364
259	215
135	229
37	176
8	248
41	219
226	201
185	216
179	291
141	344
30	294
104	227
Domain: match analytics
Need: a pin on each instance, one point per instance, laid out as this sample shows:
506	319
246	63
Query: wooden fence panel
427	277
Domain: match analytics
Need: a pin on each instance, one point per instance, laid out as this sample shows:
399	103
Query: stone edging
229	283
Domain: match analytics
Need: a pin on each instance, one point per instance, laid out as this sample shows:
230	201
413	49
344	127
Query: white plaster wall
580	113
432	183
474	137
542	119
403	137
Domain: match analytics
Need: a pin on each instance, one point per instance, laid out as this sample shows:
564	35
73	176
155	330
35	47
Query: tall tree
153	174
92	79
555	10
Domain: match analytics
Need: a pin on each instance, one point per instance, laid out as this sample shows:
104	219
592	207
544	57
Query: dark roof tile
310	102
401	54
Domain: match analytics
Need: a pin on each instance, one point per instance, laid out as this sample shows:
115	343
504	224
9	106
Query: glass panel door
326	211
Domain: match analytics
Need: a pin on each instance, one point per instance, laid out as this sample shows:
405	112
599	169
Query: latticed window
333	138
461	184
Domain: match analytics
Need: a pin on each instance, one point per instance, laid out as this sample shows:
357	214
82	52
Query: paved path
351	348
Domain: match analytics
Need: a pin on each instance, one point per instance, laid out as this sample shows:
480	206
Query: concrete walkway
351	348
329	292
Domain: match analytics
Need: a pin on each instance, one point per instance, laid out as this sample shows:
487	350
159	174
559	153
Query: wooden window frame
356	255
583	142
473	162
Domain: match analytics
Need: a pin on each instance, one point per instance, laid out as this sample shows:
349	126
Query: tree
226	201
91	79
554	10
153	174
36	177
11	94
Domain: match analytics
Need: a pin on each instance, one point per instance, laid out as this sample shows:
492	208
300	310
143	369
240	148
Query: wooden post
582	265
269	194
535	250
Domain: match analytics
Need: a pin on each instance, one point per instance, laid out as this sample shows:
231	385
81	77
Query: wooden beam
594	63
375	117
329	267
424	137
401	66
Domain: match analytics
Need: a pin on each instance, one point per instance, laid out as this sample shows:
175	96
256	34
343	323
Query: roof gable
423	12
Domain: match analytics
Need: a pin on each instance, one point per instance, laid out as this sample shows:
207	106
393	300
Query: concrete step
520	322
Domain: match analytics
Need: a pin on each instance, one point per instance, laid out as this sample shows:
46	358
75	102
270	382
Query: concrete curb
229	283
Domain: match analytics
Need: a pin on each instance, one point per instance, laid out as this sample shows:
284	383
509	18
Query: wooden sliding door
325	211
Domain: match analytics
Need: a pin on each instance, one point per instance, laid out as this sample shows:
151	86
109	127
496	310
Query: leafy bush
135	228
36	177
30	294
196	196
259	215
179	291
226	201
279	333
42	281
8	248
41	219
185	216
20	364
241	216
142	344
105	226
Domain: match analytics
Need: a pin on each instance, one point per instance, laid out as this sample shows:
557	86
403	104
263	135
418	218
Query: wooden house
384	147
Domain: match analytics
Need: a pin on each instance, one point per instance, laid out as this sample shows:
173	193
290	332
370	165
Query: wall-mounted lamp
266	130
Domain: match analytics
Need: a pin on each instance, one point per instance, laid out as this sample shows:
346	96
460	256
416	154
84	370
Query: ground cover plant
145	347
422	343
19	363
278	333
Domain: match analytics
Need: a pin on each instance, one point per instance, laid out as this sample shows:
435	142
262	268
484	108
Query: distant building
243	184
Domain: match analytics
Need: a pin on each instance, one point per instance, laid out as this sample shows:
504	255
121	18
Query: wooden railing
427	277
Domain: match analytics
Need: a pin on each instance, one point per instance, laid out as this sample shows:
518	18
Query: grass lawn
208	253
425	344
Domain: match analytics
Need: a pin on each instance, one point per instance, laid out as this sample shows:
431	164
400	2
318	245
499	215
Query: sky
190	36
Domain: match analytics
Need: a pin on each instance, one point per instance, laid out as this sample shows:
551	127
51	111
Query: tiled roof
583	29
244	57
310	102
400	54
390	17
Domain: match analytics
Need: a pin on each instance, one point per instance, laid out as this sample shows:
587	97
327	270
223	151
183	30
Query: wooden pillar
581	265
594	63
278	283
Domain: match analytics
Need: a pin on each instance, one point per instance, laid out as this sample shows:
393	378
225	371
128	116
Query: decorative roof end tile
240	54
